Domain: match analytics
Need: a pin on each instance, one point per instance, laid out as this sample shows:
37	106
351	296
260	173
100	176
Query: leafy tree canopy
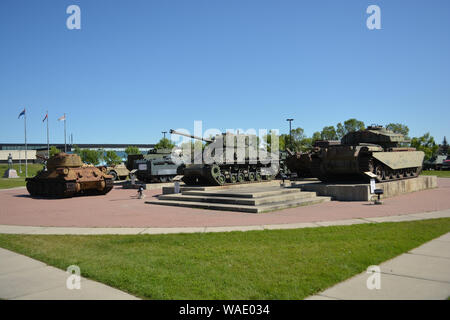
349	126
399	128
426	144
54	150
164	143
111	158
444	146
132	150
329	133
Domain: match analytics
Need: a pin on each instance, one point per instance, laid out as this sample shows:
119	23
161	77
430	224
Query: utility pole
290	132
65	145
164	133
26	147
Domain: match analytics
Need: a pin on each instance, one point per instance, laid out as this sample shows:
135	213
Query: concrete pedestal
10	173
361	192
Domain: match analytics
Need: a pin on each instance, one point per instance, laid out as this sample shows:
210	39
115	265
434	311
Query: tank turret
375	135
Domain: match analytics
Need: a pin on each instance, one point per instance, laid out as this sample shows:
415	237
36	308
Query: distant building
17	150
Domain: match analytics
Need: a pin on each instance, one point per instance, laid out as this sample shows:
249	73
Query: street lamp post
290	132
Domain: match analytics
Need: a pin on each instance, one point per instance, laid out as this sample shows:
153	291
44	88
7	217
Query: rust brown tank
67	176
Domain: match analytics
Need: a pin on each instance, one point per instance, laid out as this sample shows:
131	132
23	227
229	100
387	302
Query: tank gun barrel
189	136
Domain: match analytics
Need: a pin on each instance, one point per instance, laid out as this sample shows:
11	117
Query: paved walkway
421	274
24	278
80	231
121	208
86	231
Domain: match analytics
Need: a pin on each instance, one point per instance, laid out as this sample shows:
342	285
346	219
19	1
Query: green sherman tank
67	176
234	163
375	152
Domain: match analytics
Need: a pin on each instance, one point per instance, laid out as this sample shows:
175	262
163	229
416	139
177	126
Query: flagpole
48	141
65	146
26	158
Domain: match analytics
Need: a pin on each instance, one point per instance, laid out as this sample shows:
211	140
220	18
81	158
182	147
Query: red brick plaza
121	208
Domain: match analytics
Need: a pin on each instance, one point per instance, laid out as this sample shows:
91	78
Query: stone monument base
361	192
10	173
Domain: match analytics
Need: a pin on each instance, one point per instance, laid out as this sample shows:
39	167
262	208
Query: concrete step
271	183
201	197
240	207
246	194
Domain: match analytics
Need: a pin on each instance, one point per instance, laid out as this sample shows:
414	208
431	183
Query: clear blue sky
137	68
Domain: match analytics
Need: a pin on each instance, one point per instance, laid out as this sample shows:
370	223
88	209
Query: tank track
365	164
215	176
62	189
384	173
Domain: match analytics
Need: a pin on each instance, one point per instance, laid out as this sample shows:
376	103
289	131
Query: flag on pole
46	116
21	114
62	118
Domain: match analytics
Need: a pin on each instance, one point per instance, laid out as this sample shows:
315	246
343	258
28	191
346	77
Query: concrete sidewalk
10	229
24	278
421	274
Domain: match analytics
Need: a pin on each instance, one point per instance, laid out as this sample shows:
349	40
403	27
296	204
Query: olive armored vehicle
151	154
374	152
161	169
67	176
435	163
231	159
118	171
155	166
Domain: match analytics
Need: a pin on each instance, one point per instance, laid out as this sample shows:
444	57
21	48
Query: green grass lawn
439	173
269	264
33	168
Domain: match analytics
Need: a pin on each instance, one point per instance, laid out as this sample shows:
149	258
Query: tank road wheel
163	179
221	179
258	176
240	177
108	186
251	176
233	178
380	173
114	175
390	175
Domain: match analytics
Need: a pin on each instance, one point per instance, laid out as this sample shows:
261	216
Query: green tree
426	144
77	150
54	150
164	143
399	128
349	126
132	150
316	136
91	156
444	146
111	158
329	133
283	140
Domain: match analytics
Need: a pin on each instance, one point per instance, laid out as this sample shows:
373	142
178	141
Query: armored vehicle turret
66	176
360	154
229	159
